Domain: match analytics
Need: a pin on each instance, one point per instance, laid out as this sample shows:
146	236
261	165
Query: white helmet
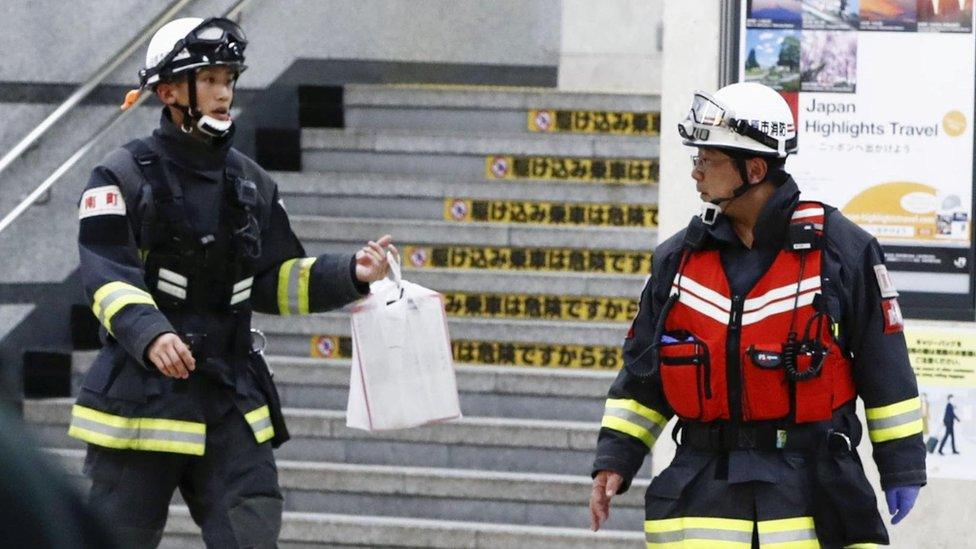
190	43
745	117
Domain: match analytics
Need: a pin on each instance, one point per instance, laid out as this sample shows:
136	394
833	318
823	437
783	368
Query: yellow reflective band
894	409
632	429
637	408
148	434
862	546
143	444
258	414
698	533
111	298
260	421
284	274
139	422
790	533
683	523
124	301
892	433
304	272
264	434
894	421
699	544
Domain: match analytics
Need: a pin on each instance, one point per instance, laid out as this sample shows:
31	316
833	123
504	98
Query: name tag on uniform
106	200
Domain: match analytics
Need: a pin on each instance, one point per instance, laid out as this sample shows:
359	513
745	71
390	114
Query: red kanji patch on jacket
893	322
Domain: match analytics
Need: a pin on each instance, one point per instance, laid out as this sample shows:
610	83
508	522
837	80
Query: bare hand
171	356
371	262
605	486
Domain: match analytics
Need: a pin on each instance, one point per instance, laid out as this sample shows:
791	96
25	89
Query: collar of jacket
772	226
206	157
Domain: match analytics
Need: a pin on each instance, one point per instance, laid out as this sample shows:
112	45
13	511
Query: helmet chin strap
713	208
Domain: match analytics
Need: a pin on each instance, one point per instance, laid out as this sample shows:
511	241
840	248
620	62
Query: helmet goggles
708	114
215	41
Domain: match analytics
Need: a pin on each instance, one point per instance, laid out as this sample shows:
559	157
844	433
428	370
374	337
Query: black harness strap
167	195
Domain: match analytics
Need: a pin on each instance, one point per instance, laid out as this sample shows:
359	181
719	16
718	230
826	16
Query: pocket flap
672	481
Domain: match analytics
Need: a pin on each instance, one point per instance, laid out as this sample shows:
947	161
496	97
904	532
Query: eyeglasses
702	164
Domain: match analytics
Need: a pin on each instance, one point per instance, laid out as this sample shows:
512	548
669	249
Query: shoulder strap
167	195
807	226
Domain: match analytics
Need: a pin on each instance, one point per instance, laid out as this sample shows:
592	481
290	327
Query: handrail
80	94
96	79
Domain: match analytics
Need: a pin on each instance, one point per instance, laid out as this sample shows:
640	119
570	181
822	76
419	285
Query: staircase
540	240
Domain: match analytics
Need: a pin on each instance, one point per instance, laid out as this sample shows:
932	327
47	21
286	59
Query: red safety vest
706	315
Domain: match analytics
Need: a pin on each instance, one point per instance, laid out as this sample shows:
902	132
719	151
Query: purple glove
901	499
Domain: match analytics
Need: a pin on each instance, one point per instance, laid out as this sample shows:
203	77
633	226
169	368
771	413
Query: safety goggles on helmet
215	41
708	115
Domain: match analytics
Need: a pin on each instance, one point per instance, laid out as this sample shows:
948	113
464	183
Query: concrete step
493	444
582	284
472	109
310	192
444	494
453	153
292	336
492	98
461	143
316	231
487	391
443	208
518	259
308	530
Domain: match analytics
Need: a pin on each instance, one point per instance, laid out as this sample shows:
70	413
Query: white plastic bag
402	370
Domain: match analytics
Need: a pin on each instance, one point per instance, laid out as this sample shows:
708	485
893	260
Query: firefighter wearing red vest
761	323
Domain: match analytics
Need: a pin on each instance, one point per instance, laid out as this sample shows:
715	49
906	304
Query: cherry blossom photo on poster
828	61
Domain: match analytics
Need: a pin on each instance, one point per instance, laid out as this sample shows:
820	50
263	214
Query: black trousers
950	433
232	490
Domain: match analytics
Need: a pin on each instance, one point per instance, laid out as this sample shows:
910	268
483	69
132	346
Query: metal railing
71	102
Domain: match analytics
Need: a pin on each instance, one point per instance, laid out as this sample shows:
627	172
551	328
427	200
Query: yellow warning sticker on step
599	122
540	307
564	168
500	353
549	213
546	355
527	259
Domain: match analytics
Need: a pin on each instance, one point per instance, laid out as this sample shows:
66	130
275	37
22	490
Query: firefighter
761	323
181	238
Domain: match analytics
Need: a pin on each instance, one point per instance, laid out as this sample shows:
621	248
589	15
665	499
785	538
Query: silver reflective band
170	289
242	290
240	296
246	283
170	276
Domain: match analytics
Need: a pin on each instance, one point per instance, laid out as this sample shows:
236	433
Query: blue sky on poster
766	43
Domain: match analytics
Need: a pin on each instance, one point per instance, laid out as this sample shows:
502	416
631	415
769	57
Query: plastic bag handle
395	273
